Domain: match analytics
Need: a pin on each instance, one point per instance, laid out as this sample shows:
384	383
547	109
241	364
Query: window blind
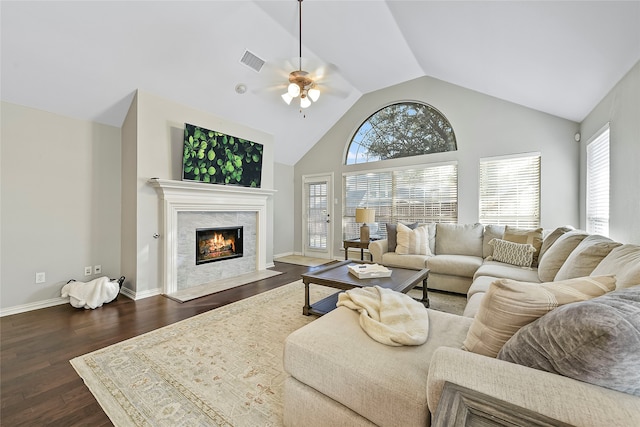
510	191
428	194
598	184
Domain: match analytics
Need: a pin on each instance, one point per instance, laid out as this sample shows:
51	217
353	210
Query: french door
317	215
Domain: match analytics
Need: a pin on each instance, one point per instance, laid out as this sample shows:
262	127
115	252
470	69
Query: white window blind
428	194
598	184
510	190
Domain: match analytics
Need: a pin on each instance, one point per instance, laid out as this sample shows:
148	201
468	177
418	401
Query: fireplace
217	244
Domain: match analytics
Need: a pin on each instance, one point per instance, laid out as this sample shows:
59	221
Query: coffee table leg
425	296
307	307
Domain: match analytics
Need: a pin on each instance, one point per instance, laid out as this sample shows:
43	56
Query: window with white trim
510	190
425	194
597	208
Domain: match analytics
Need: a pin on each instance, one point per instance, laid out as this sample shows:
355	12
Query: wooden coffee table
337	276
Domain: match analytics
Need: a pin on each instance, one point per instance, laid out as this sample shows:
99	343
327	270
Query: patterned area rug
220	368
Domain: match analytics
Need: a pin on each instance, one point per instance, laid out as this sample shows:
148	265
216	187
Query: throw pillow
624	262
392	231
594	341
532	237
413	242
509	305
586	257
512	253
551	239
557	254
459	239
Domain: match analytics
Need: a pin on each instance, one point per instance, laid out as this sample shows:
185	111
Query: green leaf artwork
214	157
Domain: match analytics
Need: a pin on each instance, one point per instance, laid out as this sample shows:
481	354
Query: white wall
159	140
283	202
621	108
484	126
60	183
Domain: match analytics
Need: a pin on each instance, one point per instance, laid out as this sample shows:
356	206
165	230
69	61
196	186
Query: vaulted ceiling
85	59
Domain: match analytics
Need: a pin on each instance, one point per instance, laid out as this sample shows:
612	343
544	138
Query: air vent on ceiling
252	61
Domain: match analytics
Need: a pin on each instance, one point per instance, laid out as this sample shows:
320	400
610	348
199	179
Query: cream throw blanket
387	316
91	294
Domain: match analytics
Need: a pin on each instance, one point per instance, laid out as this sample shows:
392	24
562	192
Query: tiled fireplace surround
190	205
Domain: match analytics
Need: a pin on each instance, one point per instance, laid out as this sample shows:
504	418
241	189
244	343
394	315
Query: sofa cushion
509	305
392	232
506	271
551	238
624	262
594	341
343	365
586	257
518	254
454	265
459	239
491	232
530	236
415	262
414	242
557	254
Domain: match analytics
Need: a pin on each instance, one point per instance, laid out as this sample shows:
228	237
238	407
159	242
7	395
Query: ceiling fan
300	82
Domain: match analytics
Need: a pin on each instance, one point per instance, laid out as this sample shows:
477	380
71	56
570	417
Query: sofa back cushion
459	239
556	255
624	262
532	237
594	341
509	305
491	232
586	257
552	237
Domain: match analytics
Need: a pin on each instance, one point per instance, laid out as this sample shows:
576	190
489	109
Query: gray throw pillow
595	341
392	234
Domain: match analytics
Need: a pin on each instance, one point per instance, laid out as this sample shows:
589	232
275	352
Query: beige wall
283	210
621	109
60	186
484	126
159	139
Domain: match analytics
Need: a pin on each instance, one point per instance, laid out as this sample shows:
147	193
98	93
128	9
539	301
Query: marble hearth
190	205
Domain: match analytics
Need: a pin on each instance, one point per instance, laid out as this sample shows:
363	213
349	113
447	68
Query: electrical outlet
97	269
87	271
40	277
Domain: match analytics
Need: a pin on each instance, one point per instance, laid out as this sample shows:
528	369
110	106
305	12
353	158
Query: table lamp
365	215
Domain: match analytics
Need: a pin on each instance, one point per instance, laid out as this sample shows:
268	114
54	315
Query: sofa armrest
377	249
555	396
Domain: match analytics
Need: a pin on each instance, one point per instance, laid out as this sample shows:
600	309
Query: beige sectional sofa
339	376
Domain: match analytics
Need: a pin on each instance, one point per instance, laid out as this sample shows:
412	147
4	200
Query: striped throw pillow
413	242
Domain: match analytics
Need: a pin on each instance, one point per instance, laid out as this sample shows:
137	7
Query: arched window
399	130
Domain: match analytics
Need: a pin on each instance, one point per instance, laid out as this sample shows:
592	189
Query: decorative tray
369	271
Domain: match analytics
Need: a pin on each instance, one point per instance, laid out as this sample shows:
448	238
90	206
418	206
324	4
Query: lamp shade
365	215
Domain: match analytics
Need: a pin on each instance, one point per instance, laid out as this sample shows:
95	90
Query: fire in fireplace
217	244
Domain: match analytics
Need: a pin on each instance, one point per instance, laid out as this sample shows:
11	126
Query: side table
356	243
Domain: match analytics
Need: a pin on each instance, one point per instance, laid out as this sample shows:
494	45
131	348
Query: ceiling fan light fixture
287	98
293	90
314	94
304	102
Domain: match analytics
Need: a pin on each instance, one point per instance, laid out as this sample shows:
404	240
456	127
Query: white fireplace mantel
185	196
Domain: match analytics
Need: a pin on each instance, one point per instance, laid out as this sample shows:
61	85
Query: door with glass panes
317	216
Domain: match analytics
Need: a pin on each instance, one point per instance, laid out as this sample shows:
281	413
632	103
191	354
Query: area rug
184	295
303	260
220	368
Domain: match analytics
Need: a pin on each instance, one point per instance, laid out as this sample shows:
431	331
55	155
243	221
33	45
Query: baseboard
33	306
282	254
140	295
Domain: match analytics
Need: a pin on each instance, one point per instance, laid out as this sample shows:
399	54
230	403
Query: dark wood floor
38	385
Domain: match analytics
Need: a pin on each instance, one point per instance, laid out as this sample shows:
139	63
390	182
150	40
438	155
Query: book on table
369	271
